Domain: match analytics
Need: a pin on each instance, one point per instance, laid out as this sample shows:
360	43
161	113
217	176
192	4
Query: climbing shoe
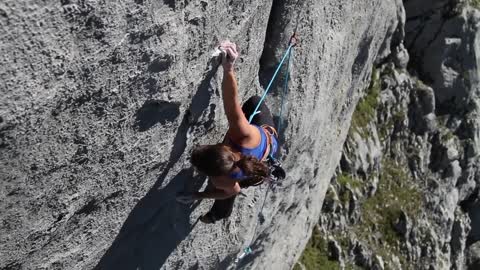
207	218
276	170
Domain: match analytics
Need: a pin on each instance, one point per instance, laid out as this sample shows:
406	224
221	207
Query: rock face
102	102
407	186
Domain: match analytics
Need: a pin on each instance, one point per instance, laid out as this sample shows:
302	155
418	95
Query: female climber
239	160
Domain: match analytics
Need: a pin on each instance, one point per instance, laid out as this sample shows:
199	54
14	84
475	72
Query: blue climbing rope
287	53
286	56
284	94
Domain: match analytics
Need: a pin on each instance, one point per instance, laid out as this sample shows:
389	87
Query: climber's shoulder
249	138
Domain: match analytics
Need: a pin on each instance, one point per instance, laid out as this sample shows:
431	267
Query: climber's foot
207	218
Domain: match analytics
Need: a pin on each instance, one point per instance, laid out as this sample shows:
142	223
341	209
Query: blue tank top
255	152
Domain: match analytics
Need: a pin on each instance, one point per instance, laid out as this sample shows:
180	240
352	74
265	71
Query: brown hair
218	159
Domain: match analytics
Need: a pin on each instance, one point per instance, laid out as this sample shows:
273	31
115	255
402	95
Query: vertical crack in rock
276	40
361	58
283	17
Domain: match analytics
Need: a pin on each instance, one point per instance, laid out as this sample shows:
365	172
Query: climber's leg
221	208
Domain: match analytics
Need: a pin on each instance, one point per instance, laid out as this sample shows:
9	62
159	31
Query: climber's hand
229	55
186	198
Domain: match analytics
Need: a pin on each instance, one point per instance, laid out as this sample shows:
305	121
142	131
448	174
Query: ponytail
253	167
218	159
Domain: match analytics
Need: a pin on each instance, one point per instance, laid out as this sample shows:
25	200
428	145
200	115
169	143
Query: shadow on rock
156	111
158	224
154	228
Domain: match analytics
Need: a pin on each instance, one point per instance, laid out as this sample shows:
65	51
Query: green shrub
315	255
447	135
345	179
366	107
396	192
385	128
475	3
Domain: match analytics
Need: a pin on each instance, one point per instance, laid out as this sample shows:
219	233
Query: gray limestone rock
443	47
454	170
335	250
402	225
428	123
473	256
362	255
400	57
102	102
474	214
378	263
460	230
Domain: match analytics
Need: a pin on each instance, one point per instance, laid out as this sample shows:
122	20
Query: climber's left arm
239	128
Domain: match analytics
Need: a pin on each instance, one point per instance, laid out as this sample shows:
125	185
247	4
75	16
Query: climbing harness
271	161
